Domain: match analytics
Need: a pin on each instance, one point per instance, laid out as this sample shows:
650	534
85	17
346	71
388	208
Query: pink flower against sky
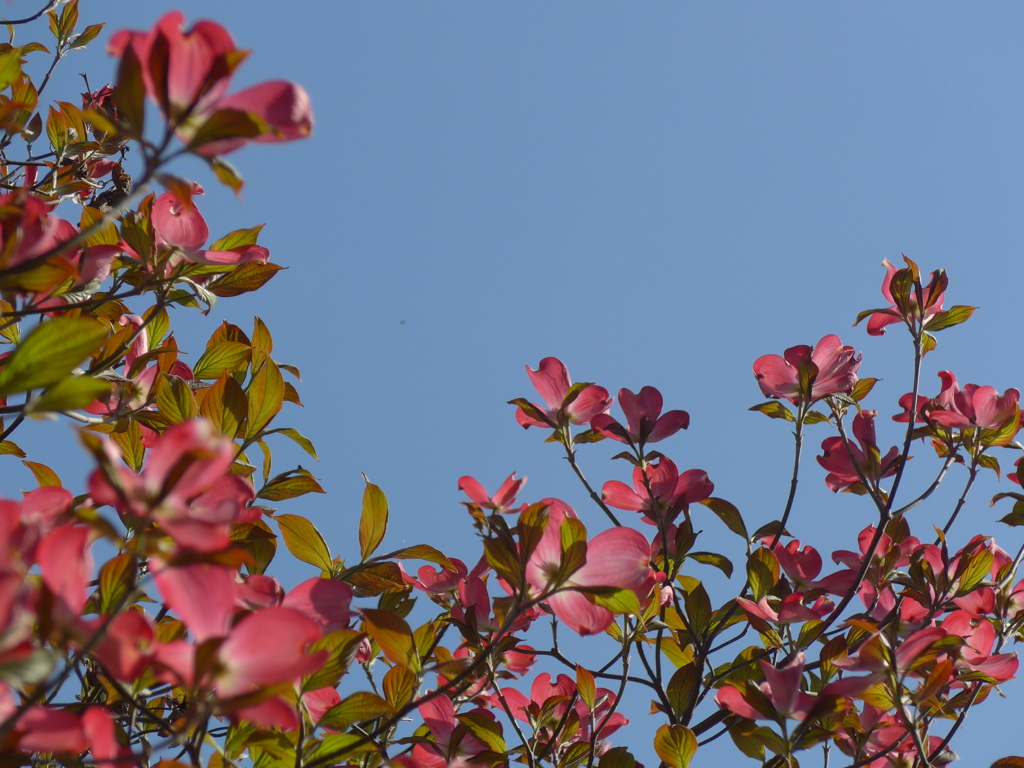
828	369
565	404
619	557
843	469
189	84
645	423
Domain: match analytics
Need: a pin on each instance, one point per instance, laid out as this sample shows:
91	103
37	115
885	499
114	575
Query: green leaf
399	686
728	514
814	417
721	562
586	687
675	745
304	541
373	523
70	393
227	174
698	608
424	552
974	571
220	358
117	578
680	687
45	476
357	708
227	124
10	67
130	442
617	757
393	636
245	279
505	561
289	486
88	35
174	399
334	745
775	410
614	599
299	438
762	571
98	230
9	448
862	388
375	579
949	318
484	729
262	343
50	352
130	93
238	239
266	396
225	405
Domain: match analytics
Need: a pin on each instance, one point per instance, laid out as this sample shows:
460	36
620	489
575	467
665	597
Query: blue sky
655	194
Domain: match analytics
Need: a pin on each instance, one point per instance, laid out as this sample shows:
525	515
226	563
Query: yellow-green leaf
289	486
585	685
393	636
174	399
304	541
50	352
374	520
357	708
117	577
70	393
399	686
675	745
222	357
45	476
225	405
266	396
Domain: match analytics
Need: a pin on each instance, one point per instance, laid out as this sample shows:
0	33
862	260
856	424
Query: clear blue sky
656	194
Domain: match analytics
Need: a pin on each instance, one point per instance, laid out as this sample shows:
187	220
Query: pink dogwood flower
805	375
553	698
187	73
503	500
620	557
566	403
671	491
645	423
178	222
973	406
184	487
933	295
843	468
781	689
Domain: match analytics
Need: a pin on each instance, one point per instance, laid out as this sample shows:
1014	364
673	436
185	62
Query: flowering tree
138	621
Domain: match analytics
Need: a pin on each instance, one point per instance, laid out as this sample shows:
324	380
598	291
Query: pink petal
67	564
730	698
668	425
621	496
178	221
474	490
267	648
551	380
325	601
590	402
775	376
201	594
579	614
620	557
784	684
